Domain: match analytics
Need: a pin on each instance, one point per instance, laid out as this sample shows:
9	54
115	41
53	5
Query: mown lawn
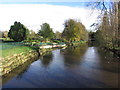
16	50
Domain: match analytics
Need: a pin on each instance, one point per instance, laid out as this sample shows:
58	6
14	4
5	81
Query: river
73	67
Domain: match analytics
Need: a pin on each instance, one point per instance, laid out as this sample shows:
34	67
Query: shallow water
73	67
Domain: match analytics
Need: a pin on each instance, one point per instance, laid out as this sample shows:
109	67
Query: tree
91	35
119	24
1	34
31	35
5	34
58	35
18	32
34	36
108	27
74	31
46	31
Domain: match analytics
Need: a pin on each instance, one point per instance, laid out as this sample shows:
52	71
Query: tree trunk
119	24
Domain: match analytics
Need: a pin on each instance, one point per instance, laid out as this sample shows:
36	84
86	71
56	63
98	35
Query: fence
49	43
4	46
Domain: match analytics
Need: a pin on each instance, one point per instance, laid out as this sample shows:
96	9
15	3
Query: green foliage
58	35
91	36
46	31
56	41
33	37
107	33
18	32
74	31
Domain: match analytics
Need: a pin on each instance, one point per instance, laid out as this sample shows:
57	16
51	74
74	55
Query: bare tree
110	22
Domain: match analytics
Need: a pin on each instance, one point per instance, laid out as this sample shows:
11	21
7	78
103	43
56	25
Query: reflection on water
73	67
18	72
46	60
72	55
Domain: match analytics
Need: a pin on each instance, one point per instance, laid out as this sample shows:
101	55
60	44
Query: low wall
18	71
11	62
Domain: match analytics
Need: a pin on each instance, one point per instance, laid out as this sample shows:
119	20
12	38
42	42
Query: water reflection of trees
108	55
92	43
109	59
46	59
72	54
18	72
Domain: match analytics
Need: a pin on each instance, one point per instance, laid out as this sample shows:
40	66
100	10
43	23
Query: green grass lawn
16	50
118	48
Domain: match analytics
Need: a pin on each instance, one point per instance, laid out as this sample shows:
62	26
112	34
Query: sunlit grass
17	50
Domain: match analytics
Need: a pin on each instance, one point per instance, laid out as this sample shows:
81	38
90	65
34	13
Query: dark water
73	67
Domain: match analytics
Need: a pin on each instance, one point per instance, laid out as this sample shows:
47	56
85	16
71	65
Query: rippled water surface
73	67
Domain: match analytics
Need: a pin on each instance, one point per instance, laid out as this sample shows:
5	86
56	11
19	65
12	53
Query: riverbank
66	68
11	62
14	57
18	70
114	50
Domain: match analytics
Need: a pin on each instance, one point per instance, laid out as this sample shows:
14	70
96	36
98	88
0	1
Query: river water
73	67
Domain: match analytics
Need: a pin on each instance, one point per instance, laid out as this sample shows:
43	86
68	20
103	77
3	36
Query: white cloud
33	15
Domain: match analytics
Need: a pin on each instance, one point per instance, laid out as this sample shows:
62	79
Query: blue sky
72	4
45	0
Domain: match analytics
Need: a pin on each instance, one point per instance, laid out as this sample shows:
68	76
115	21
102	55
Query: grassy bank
17	50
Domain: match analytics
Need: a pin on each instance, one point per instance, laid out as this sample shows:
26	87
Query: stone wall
22	67
11	62
18	71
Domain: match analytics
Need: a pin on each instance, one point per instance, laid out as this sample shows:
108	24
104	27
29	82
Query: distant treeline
73	31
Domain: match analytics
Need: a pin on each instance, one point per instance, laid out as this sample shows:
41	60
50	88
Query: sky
46	0
34	14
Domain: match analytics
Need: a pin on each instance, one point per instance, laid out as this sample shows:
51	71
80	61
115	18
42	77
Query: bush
56	41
